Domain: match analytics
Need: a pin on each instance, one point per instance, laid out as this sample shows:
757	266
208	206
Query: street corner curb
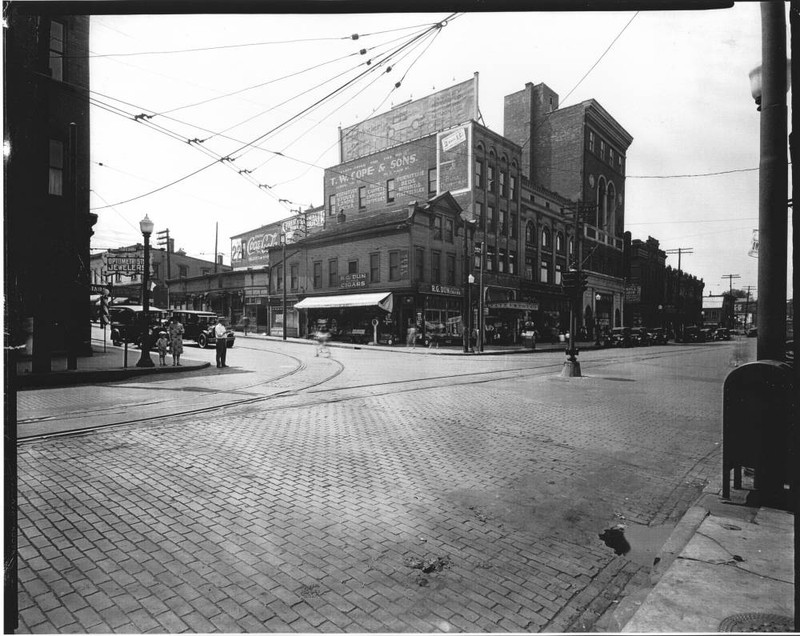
96	376
677	541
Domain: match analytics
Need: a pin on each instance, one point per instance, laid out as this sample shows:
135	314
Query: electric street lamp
597	299
470	283
285	238
146	226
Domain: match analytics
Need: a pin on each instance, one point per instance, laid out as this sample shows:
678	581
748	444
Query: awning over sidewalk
384	300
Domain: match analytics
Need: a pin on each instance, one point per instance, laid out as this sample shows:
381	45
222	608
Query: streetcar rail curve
375	389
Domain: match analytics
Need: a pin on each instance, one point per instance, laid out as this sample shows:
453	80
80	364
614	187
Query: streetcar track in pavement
413	384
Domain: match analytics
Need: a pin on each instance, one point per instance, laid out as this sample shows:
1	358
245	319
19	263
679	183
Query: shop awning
382	299
513	304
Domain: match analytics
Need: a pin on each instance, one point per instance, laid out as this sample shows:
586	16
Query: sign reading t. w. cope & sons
391	177
412	120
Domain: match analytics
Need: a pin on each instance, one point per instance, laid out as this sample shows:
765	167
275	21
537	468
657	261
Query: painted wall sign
454	160
408	166
251	249
412	120
447	290
353	281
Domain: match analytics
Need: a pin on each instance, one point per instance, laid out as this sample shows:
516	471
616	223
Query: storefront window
419	264
333	272
317	274
436	267
451	269
375	268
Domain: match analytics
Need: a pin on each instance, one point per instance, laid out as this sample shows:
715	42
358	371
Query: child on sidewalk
161	344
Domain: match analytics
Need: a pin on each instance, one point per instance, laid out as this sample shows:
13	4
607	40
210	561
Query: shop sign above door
353	281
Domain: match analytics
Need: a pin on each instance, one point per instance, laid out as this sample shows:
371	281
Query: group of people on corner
170	339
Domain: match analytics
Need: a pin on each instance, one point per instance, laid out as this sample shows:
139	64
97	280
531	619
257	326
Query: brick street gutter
95	376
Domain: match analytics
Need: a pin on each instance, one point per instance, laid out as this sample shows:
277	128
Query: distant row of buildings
429	218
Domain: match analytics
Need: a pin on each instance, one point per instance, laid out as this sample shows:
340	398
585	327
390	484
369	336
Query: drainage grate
757	623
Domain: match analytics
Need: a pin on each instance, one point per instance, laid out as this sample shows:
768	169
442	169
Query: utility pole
730	278
747	305
679	251
163	241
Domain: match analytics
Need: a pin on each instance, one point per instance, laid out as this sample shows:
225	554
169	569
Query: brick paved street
472	505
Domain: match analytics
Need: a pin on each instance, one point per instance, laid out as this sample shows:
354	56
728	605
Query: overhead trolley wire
229	158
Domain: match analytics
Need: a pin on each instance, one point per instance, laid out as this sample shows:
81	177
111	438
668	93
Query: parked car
127	320
621	337
692	334
752	332
722	334
199	326
658	336
640	337
708	334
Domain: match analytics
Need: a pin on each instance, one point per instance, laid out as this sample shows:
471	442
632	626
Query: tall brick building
48	223
579	152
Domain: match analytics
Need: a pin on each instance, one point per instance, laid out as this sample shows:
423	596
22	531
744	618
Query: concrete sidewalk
727	567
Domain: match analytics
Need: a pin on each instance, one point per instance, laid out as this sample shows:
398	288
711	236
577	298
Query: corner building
579	152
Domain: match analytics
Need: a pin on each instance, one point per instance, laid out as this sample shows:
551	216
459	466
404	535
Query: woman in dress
176	341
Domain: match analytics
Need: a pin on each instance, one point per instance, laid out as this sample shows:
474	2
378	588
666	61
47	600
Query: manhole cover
757	623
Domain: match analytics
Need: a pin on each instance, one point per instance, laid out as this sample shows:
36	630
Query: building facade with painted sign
392	267
120	270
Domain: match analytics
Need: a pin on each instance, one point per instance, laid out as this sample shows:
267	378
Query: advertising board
408	165
454	159
412	120
252	248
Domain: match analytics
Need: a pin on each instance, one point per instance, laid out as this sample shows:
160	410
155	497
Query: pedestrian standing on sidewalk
221	334
162	344
176	340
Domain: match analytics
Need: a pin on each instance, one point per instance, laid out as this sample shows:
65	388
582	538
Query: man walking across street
220	333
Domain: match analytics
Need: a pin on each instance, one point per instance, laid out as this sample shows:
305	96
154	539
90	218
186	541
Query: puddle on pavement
640	544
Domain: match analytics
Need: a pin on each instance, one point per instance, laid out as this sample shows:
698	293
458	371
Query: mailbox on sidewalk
759	408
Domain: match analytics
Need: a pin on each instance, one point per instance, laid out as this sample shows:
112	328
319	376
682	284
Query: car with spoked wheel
199	326
127	323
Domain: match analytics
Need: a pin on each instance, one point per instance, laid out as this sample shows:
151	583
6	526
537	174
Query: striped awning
384	300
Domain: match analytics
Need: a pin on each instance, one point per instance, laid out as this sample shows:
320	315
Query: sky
267	93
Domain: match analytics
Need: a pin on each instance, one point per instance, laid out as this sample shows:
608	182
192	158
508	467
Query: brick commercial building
579	152
48	223
120	270
399	268
657	295
520	233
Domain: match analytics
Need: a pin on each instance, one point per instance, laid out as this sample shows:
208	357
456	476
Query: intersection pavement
444	506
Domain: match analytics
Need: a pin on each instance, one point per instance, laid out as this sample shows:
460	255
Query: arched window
601	203
546	238
530	233
611	207
559	242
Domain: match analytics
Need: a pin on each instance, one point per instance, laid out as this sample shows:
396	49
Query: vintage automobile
127	321
621	337
199	326
693	334
640	337
722	334
658	336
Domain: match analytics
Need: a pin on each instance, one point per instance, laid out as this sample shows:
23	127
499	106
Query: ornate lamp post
146	226
597	299
470	283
